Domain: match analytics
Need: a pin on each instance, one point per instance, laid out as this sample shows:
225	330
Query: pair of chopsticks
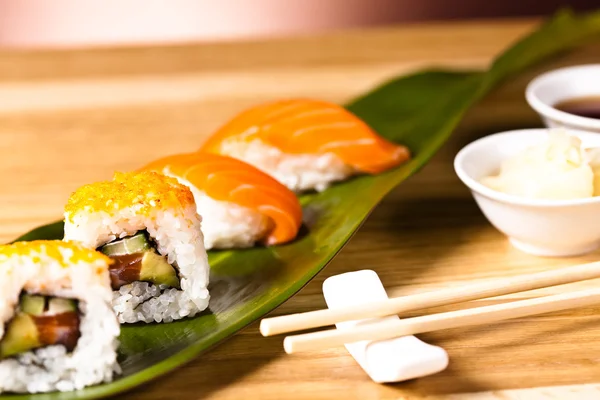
428	323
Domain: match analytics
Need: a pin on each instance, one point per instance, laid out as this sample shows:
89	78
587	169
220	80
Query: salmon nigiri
239	204
305	144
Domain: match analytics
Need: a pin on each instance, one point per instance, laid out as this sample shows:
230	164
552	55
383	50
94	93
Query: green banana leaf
420	111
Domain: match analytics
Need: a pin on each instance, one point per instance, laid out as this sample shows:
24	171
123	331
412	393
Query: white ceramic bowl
562	84
540	227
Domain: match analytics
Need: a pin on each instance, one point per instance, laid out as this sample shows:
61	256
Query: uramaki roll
147	223
58	330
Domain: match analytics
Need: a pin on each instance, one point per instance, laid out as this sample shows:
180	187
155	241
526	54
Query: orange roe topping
66	253
147	191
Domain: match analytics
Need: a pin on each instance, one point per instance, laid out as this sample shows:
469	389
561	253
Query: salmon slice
227	179
60	328
304	126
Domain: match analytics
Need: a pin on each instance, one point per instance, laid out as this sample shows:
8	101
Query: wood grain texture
68	118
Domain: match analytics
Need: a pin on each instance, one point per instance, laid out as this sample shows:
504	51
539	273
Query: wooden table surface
67	118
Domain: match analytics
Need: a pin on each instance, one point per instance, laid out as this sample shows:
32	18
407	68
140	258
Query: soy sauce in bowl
588	106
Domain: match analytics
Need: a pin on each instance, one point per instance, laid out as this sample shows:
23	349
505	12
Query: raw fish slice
229	180
304	126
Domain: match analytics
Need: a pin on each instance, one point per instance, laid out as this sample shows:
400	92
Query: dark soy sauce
588	107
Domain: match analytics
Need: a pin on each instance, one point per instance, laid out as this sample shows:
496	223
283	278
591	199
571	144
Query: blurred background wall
75	23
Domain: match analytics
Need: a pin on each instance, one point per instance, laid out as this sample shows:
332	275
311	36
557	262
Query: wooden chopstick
520	283
428	323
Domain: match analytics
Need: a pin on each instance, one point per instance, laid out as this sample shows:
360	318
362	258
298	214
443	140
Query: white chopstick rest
392	360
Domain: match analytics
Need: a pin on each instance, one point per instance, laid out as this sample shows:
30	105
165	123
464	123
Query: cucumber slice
137	243
32	304
21	336
59	306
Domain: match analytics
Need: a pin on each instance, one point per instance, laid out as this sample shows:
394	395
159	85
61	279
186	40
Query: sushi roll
239	204
148	225
305	144
58	329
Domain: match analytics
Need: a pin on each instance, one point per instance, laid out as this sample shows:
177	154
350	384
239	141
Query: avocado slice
32	304
157	270
137	243
21	336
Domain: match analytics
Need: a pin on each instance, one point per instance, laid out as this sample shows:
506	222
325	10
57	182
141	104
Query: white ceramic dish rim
552	112
483	190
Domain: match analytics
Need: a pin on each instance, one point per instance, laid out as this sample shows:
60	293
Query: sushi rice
299	172
100	213
63	270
